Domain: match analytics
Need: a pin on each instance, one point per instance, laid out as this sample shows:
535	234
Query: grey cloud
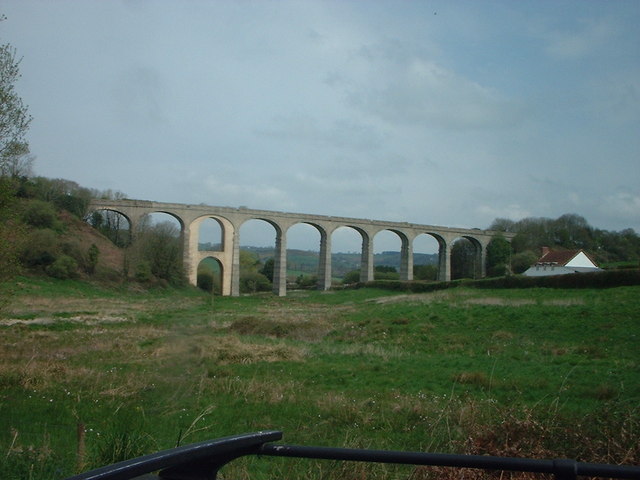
586	36
414	90
340	133
138	93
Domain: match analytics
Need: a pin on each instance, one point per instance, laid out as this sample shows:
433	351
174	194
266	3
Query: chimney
545	250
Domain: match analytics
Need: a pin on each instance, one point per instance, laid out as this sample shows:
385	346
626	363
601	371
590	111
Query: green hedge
604	279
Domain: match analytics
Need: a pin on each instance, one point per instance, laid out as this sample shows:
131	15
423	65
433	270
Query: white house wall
580	260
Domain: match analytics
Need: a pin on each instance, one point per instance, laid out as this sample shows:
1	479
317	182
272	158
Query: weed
121	445
479	379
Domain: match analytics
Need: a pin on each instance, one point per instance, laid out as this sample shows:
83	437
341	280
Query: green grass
540	372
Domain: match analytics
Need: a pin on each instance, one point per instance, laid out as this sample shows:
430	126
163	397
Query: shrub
63	267
523	260
253	282
40	249
425	272
40	214
143	272
378	275
118	446
92	258
306	281
351	277
205	281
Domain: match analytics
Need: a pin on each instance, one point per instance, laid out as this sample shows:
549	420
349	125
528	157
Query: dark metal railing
202	461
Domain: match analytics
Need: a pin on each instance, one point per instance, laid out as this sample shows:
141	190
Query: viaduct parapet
231	219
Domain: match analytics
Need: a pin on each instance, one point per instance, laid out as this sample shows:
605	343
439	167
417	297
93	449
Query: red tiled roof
558	257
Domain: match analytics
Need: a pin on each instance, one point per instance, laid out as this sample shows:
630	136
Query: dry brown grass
223	350
430	297
46	359
501	302
34	309
461	297
254	389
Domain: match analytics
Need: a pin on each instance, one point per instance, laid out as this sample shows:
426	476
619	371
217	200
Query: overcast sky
448	113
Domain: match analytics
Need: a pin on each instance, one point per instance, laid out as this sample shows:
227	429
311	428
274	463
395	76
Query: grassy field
541	373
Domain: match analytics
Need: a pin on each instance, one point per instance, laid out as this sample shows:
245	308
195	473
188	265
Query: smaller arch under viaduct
190	218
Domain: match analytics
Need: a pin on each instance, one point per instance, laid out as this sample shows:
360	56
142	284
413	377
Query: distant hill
306	262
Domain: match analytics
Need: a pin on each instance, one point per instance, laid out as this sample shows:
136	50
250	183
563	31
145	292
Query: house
561	262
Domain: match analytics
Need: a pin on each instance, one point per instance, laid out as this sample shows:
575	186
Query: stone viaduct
230	220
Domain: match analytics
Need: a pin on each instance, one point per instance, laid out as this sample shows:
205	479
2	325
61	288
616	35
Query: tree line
569	232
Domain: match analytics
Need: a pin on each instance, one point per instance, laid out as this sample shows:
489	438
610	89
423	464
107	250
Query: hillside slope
83	235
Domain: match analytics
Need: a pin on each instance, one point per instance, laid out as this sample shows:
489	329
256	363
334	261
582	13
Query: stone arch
405	269
148	215
207	267
366	251
279	260
107	221
421	246
210	228
471	256
317	256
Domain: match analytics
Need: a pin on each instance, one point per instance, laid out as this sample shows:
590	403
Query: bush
143	272
253	282
604	279
425	272
306	281
351	277
205	281
41	214
40	249
523	260
378	275
92	258
73	203
63	267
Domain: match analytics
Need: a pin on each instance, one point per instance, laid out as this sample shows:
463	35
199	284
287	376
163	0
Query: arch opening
303	255
465	258
387	255
426	252
210	235
113	225
257	255
346	254
210	272
156	256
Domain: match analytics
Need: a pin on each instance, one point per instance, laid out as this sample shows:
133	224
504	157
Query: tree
502	225
112	225
159	253
498	256
12	232
385	272
425	272
252	278
92	258
351	277
521	261
14	123
463	259
17	162
267	269
14	116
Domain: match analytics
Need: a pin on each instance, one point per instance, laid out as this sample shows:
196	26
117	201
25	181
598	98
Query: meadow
90	375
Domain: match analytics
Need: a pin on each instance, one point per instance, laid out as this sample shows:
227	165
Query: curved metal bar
182	462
